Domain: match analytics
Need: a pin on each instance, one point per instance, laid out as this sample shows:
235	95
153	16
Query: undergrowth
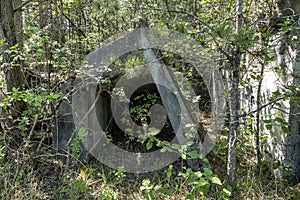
27	174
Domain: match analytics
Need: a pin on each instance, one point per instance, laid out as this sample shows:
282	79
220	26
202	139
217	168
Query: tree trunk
291	160
234	103
14	76
291	146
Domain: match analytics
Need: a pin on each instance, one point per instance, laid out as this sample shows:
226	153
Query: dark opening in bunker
140	104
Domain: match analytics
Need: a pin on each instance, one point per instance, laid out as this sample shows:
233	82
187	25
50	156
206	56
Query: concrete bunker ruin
64	125
150	73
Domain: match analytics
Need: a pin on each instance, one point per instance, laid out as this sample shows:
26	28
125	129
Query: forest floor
28	174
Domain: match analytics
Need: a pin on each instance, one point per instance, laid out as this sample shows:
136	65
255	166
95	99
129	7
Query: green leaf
269	126
205	159
149	195
202	182
153	131
227	191
39	52
165	189
149	145
285	129
276	93
216	180
278	105
207	172
192	181
197	174
193	154
280	120
276	164
15	89
169	172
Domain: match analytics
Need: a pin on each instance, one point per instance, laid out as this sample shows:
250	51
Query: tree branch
195	17
263	106
72	24
22	5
